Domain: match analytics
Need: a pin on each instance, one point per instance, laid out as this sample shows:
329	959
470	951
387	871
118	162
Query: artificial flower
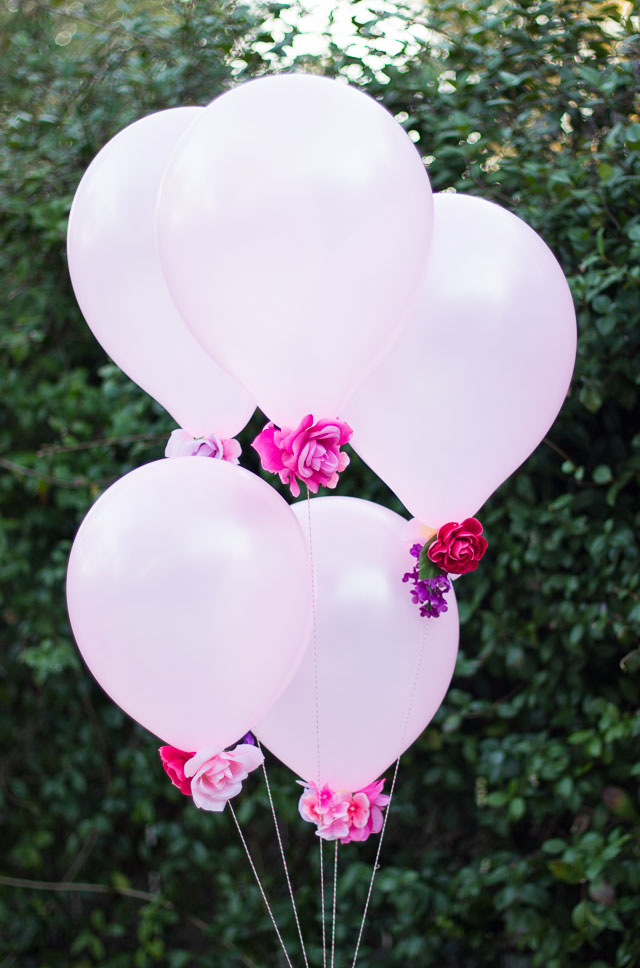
344	816
428	593
182	444
173	761
217	777
458	548
310	453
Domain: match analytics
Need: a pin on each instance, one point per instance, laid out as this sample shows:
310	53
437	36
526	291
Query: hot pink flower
182	444
173	761
376	800
310	453
216	777
344	816
458	547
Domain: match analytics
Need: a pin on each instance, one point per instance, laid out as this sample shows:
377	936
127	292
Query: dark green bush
514	838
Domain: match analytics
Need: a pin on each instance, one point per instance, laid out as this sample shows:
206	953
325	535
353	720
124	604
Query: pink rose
310	453
173	761
182	444
458	547
216	777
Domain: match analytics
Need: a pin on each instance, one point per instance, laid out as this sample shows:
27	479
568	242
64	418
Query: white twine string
335	894
259	883
317	709
388	808
323	913
284	862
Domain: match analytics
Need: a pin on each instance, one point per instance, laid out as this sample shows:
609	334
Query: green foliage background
514	839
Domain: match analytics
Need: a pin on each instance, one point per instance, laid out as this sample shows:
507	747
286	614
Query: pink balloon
118	282
370	638
480	372
294	223
189	597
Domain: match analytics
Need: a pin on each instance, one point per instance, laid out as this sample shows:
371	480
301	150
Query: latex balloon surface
294	224
371	642
481	371
189	597
120	287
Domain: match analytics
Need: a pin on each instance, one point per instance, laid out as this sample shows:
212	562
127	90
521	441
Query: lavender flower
427	593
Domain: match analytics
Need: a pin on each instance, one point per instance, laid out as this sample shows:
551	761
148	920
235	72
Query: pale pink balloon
480	372
294	224
120	287
371	645
189	597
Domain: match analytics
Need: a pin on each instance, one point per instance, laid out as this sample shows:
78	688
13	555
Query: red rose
173	761
458	548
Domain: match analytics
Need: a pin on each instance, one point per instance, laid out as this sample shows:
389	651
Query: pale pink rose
309	453
217	777
182	444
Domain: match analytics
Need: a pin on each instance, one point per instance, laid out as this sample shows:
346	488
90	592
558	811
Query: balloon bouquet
282	247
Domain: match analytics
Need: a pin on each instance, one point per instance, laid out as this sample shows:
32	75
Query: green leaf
591	397
564	871
605	171
426	567
602	474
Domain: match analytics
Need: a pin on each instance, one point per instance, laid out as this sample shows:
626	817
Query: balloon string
284	862
335	894
386	813
375	866
317	710
259	883
315	640
323	915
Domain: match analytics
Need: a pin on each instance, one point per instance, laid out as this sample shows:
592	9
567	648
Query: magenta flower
217	777
310	453
173	761
182	444
458	548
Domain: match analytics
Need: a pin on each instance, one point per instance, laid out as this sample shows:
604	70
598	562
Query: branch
99	442
61	887
77	482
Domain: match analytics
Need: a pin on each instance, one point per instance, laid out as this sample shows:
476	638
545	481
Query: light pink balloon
481	371
294	223
370	641
189	597
119	285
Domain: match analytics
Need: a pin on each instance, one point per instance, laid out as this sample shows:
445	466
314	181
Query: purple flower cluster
428	593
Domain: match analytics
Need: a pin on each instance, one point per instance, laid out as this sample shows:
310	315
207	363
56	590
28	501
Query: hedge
514	836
